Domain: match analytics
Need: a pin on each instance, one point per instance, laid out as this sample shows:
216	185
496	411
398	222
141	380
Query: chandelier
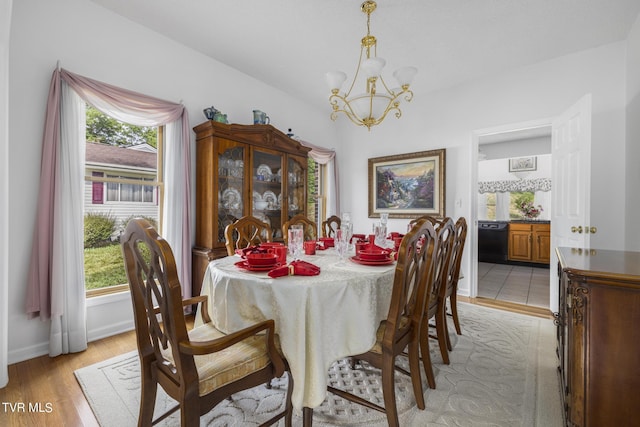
374	100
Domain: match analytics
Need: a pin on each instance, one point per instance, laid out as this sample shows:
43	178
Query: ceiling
290	44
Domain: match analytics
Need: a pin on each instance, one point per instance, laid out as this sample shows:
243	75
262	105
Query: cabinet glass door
230	187
267	190
296	186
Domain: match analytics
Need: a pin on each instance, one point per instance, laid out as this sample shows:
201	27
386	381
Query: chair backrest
445	238
330	226
456	257
432	219
245	232
310	227
413	275
157	300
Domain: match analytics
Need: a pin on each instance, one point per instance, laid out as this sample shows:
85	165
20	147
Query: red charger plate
358	260
375	255
245	266
261	259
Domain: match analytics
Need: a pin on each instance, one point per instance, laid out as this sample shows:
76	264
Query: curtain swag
538	184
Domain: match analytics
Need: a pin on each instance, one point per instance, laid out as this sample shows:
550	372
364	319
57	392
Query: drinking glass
380	233
347	232
342	245
296	239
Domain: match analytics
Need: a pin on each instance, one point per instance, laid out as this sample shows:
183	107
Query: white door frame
476	135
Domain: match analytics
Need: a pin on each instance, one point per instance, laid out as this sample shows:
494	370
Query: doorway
499	280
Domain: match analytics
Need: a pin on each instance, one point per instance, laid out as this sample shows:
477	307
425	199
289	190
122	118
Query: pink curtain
126	106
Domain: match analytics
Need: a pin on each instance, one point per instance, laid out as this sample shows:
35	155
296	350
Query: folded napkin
357	237
296	268
251	250
373	247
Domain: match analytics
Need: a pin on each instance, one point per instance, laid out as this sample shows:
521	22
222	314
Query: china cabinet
598	336
243	170
530	242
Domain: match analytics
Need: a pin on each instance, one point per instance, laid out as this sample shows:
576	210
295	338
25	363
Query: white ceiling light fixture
371	106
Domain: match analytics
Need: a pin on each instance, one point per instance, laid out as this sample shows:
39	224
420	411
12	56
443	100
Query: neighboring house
121	200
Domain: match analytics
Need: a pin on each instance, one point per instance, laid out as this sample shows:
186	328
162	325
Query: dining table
319	319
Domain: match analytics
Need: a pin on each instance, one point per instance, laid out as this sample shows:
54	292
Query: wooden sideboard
598	330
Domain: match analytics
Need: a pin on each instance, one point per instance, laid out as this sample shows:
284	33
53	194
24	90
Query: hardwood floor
44	391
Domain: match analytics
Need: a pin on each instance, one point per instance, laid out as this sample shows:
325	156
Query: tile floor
521	285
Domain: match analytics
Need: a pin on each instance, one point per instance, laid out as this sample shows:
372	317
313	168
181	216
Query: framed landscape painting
407	185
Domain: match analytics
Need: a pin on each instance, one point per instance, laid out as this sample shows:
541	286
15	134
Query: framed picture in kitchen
408	185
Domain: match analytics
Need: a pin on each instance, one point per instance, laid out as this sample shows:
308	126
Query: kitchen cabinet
530	242
598	336
243	170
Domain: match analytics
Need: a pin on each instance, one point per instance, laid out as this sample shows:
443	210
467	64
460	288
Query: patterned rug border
468	390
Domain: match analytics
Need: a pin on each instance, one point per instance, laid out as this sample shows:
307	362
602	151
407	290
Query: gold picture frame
408	185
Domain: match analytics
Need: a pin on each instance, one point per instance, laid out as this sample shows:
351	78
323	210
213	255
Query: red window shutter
97	197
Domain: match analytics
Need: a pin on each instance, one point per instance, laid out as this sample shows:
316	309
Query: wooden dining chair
445	238
245	232
450	291
310	228
432	219
401	329
331	226
198	368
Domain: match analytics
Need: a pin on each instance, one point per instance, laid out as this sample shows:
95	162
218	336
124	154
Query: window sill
116	289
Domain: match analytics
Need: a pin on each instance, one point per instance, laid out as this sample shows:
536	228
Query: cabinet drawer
514	226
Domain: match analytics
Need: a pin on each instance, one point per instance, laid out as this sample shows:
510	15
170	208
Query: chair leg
148	390
414	370
441	332
190	413
446	328
288	404
426	356
389	390
453	299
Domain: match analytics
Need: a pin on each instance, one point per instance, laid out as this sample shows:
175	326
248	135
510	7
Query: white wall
96	43
5	25
632	225
498	170
446	119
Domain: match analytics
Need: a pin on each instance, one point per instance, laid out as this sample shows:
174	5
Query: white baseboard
100	313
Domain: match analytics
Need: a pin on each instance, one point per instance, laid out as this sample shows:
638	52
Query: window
123	179
490	204
316	191
136	193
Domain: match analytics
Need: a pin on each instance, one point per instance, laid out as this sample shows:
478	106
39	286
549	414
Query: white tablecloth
319	319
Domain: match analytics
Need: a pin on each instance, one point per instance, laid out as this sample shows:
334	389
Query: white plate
264	170
231	198
270	196
256	197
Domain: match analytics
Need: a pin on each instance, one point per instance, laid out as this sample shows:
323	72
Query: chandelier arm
346	109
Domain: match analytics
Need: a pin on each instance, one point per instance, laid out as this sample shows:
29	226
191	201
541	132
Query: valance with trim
538	184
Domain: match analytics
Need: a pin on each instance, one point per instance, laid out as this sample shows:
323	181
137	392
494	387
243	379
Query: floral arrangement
530	211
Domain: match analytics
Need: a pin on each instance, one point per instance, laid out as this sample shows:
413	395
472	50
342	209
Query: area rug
502	373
